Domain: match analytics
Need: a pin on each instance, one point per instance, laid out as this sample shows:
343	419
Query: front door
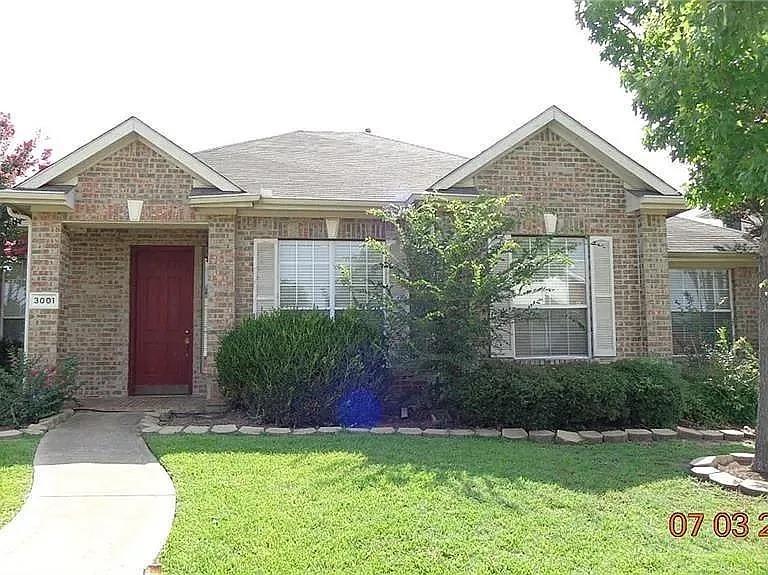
162	294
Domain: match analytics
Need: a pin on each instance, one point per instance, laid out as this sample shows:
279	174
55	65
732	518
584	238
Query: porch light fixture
134	209
550	224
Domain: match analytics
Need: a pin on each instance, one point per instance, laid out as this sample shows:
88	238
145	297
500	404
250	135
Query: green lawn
15	474
367	504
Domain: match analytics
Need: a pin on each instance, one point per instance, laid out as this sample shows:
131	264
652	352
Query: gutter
46	200
655	204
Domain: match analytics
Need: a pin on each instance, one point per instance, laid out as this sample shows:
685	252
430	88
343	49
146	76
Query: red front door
162	293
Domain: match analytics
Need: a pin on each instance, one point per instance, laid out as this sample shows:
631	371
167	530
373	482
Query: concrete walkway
100	502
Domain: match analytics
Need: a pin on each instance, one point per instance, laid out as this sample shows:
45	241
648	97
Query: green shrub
654	391
9	349
569	396
721	386
29	391
303	367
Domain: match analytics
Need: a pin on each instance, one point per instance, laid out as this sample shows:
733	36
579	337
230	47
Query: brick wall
95	304
654	274
134	172
546	173
745	282
49	255
220	301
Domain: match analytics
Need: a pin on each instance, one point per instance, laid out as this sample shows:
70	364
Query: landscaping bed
15	474
366	504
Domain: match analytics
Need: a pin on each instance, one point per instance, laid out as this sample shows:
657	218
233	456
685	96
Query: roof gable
67	168
635	176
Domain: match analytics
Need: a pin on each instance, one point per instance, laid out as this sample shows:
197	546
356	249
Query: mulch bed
742	471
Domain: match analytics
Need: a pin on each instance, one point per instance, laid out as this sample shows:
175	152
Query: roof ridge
247	141
708	224
364	133
349	132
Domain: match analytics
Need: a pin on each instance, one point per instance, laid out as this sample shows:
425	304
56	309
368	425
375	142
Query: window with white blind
570	310
701	304
325	275
14	300
557	325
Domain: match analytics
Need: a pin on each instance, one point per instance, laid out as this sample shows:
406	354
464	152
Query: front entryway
162	297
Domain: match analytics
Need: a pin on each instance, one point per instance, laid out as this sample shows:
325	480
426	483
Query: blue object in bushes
359	408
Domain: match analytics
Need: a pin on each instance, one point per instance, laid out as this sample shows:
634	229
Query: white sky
452	76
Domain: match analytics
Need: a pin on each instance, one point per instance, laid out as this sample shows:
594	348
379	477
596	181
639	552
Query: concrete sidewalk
100	502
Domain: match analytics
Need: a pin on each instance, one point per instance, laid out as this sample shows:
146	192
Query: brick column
220	303
49	261
654	273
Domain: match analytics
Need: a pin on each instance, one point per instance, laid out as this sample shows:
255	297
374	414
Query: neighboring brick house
142	255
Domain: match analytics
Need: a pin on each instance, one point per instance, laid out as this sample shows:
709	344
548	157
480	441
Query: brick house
141	254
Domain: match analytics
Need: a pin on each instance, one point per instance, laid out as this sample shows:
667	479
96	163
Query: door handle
187	342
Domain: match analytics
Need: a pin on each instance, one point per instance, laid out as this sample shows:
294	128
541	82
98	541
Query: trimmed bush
570	396
654	392
30	391
304	368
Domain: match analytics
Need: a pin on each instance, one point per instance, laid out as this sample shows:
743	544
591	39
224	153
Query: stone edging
706	468
39	428
151	424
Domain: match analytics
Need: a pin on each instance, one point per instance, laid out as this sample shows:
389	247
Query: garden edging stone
560	436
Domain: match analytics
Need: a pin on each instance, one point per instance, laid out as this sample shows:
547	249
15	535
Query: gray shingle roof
688	236
331	165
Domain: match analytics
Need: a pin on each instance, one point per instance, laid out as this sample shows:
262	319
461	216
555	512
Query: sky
455	76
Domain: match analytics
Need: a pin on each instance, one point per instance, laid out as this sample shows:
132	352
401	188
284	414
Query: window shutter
503	340
264	275
603	314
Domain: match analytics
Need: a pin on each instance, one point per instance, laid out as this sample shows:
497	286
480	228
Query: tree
16	160
698	73
452	274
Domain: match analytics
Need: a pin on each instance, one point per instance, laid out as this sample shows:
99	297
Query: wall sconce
550	224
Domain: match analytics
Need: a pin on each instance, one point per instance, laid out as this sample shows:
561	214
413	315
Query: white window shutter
503	338
603	313
265	291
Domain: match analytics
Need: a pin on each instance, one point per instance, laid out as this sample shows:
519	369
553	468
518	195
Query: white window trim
586	306
731	303
332	268
23	317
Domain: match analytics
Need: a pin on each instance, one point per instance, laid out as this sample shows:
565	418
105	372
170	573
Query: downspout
19	216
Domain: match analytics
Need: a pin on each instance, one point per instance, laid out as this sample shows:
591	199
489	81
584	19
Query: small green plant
722	384
30	391
297	368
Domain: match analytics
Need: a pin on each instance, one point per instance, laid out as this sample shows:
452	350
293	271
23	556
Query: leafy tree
17	159
698	72
452	274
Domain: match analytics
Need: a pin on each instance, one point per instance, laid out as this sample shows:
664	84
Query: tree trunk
761	443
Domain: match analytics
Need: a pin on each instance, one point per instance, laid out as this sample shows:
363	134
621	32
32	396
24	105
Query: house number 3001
47	300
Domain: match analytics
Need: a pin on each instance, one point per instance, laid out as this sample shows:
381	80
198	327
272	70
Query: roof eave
655	204
93	151
725	259
28	201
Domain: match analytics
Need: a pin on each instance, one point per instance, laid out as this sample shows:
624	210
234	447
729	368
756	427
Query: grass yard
374	505
15	474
